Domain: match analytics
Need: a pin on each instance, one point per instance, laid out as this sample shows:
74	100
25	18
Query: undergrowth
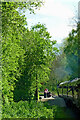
24	109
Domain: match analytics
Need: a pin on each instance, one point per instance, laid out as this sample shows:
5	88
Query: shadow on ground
63	112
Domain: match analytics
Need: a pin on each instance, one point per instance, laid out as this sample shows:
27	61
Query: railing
69	88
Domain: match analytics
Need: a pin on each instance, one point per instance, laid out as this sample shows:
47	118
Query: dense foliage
26	54
30	62
66	65
78	33
28	110
26	58
71	52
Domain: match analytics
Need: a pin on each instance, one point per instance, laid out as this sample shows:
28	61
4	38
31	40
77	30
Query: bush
24	109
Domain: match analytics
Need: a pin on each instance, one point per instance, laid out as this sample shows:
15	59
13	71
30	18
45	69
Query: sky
57	15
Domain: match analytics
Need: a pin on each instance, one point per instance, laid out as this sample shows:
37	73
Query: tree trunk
36	92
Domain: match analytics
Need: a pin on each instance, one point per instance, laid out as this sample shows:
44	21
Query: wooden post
62	90
72	91
57	85
57	91
67	90
78	94
36	92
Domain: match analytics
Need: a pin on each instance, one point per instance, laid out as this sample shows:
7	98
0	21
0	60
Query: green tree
58	71
71	52
12	51
78	34
65	66
13	31
39	54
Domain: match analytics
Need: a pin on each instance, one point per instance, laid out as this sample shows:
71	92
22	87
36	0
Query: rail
70	89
